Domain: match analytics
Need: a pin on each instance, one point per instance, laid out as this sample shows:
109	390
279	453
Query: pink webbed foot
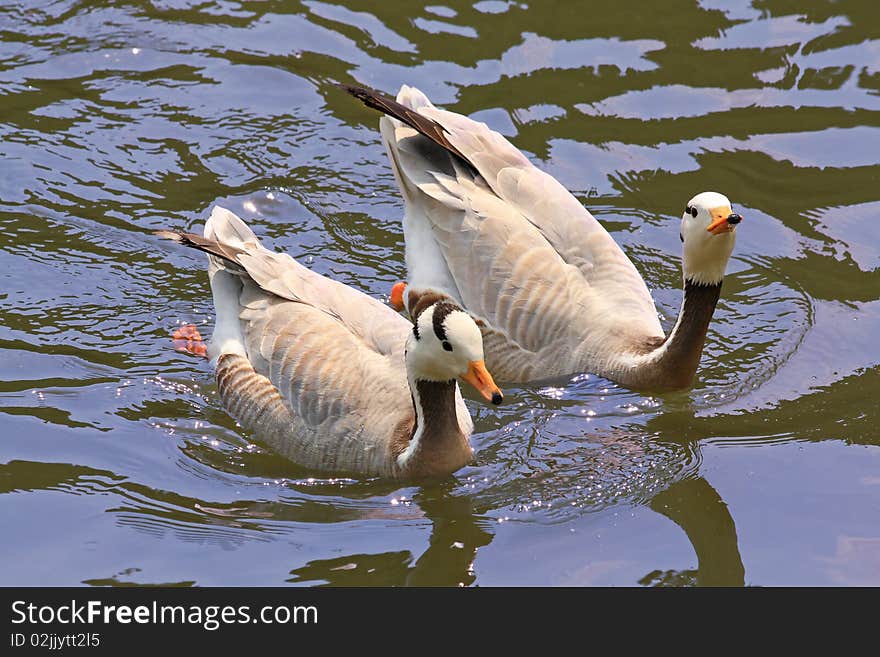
188	339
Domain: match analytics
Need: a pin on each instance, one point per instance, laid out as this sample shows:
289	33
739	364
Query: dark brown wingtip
200	243
359	92
178	236
388	105
172	235
370	97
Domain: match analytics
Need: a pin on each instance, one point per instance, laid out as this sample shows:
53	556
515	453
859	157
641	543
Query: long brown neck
679	355
437	446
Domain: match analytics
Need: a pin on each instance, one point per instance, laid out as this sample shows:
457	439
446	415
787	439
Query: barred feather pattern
554	291
316	369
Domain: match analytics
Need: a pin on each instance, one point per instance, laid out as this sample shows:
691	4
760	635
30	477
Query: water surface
119	465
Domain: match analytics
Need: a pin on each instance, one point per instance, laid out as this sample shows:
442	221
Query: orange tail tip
396	299
188	339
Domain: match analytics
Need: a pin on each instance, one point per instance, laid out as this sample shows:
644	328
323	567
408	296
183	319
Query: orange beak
723	220
478	376
396	299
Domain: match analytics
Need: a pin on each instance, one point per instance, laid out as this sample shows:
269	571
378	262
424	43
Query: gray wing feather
524	254
314	366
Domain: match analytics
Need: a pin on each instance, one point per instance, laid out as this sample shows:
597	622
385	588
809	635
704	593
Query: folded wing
523	253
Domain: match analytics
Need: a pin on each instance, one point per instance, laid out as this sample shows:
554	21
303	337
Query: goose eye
447	346
693	212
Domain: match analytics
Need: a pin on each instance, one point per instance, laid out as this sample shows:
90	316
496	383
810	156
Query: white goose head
446	344
708	232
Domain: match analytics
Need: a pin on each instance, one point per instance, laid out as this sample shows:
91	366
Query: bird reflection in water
698	509
456	535
462	524
695	506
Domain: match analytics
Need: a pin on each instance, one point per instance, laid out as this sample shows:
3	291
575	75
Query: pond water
118	463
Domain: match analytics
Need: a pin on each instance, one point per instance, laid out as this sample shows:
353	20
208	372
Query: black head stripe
441	312
417	302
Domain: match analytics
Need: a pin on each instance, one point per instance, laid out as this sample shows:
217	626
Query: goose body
553	292
329	377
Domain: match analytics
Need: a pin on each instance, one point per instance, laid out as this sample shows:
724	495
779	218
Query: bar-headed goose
553	292
329	377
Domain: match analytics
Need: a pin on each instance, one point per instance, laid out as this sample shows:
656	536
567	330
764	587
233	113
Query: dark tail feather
428	127
200	243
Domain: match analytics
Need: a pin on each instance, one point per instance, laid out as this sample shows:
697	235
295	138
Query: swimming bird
552	291
329	377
